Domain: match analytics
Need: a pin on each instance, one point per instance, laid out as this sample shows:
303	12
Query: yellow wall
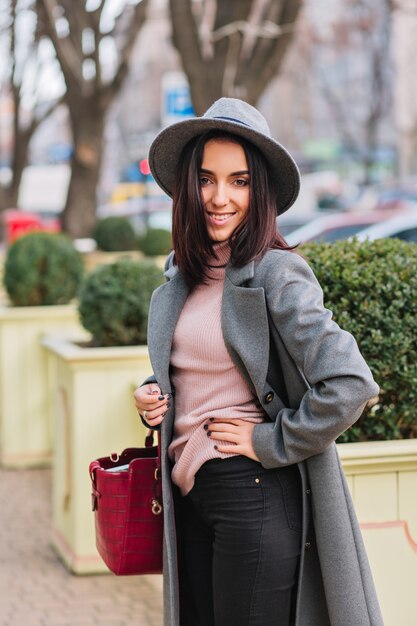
382	477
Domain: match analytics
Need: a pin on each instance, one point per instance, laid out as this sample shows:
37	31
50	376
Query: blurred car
396	193
18	223
329	228
287	223
402	226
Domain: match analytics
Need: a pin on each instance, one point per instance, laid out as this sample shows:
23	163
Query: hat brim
166	149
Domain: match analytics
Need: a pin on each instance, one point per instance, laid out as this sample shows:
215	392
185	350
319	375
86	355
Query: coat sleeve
339	381
152	379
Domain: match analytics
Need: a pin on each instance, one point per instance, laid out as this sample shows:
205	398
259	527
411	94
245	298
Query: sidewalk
36	589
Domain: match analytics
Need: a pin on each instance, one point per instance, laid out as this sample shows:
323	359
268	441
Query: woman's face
224	180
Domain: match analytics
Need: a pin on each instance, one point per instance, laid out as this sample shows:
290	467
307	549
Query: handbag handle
156	502
149	444
93	466
95	494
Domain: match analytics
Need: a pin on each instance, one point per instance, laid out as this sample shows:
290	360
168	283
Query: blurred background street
92	82
37	590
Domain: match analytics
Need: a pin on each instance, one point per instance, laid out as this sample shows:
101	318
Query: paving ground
37	590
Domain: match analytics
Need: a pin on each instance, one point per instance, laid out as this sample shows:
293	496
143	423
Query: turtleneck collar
218	263
223	251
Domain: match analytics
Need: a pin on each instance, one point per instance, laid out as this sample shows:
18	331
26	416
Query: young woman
252	384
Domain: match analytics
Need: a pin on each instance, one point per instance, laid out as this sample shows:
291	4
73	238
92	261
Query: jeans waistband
218	467
238	464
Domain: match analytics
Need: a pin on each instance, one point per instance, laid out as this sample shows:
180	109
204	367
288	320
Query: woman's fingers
154	421
238	433
149	397
156	405
151	404
225	436
160	410
227	430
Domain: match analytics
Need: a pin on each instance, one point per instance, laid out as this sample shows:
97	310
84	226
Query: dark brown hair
256	234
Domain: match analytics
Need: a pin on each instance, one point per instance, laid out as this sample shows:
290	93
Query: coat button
307	545
308	492
269	397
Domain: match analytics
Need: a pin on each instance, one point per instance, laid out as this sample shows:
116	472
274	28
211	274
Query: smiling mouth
220	217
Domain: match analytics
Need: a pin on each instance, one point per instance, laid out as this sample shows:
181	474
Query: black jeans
239	542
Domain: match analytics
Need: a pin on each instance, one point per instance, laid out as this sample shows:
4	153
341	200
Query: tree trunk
20	160
231	67
79	215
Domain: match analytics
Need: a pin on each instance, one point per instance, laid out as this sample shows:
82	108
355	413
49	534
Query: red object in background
19	223
144	167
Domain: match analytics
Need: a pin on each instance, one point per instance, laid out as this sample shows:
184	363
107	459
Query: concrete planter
94	416
96	258
382	477
25	422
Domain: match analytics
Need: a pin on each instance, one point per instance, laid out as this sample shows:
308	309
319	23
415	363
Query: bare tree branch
136	22
20	56
255	18
94	17
339	115
39	119
260	73
231	65
186	39
68	57
206	28
238	54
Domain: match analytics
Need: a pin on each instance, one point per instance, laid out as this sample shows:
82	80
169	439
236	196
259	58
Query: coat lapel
165	308
245	326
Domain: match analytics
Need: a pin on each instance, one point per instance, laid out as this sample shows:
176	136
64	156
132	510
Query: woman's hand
151	404
237	432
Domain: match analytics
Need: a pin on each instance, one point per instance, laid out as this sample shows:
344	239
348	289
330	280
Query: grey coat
313	383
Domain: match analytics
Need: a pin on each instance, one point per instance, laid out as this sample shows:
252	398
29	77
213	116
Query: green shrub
156	241
42	269
114	301
114	234
371	288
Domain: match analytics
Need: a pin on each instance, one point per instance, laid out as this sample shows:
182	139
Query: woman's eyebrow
240	173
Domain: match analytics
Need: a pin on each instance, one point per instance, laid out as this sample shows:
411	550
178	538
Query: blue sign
178	102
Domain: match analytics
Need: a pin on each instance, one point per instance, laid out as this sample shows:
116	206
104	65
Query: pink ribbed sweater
207	383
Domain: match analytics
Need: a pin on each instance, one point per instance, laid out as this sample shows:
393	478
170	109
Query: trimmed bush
114	301
42	269
371	288
114	234
155	242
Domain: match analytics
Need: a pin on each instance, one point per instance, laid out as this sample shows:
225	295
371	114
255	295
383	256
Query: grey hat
237	117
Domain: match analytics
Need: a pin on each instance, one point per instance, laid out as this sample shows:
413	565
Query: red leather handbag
127	504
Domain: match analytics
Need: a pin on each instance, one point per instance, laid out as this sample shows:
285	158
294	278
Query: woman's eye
204	180
241	182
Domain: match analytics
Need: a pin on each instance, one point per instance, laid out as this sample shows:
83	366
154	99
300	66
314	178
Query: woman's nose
220	197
